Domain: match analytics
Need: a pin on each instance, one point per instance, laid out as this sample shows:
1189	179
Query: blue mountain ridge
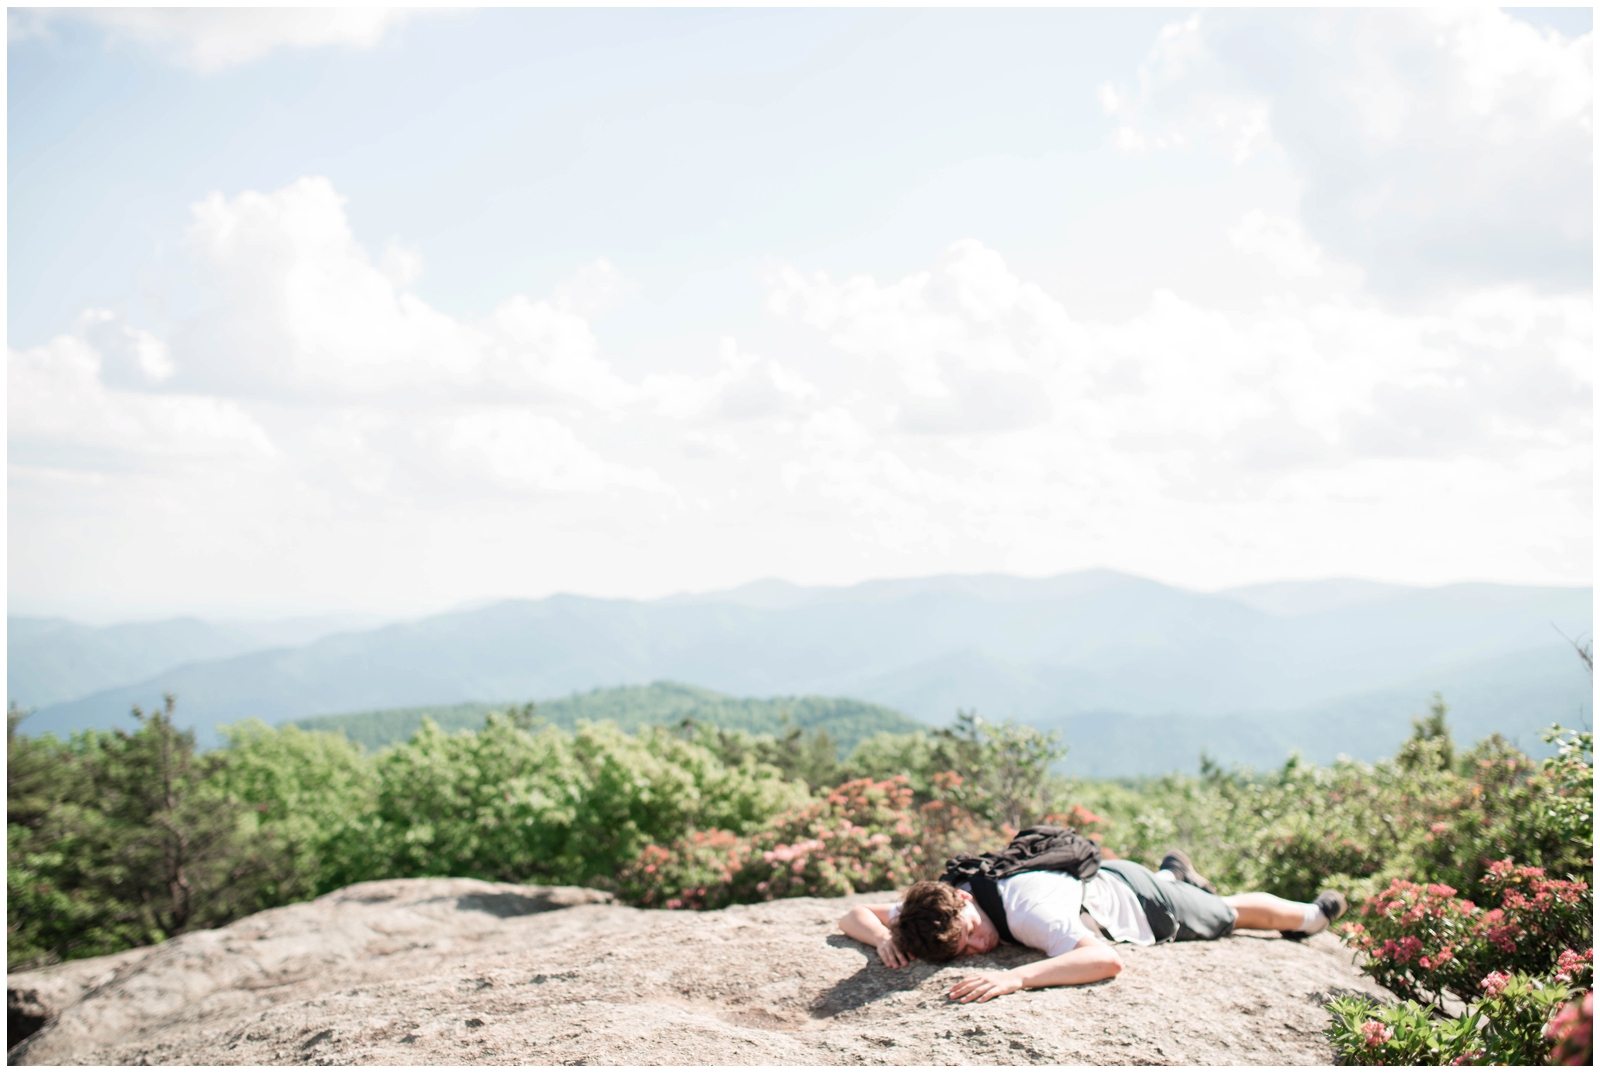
1137	673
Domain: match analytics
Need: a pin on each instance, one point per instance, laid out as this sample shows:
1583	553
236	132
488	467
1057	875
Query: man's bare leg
1268	912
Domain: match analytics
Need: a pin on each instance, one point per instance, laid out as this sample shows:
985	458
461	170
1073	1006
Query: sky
392	311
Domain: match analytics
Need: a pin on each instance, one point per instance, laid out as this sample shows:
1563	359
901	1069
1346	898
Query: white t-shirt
1115	907
1043	910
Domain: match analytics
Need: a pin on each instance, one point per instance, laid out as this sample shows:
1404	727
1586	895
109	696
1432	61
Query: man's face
981	934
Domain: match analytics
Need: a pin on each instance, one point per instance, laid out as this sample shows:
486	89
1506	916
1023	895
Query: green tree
47	917
311	797
496	804
133	844
167	842
1430	745
809	756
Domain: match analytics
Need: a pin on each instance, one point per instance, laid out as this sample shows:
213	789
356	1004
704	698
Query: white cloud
129	351
594	289
1282	241
301	308
519	451
965	341
60	412
744	387
1437	147
543	346
209	40
1213	404
955	417
375	392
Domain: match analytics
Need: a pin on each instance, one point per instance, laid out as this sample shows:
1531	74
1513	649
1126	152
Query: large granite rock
445	971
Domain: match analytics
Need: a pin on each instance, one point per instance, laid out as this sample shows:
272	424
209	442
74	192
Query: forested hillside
846	722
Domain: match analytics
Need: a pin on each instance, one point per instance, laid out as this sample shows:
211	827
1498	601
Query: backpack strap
986	892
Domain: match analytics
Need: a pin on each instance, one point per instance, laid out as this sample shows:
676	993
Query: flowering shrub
1571	1034
1539	921
1517	1011
1364	1033
1519	961
1508	1027
1420	940
863	835
1576	970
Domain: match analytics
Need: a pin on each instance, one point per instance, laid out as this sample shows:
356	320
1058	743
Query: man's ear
966	895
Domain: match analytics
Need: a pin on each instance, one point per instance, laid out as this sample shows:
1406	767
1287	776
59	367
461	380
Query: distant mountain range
1142	676
49	660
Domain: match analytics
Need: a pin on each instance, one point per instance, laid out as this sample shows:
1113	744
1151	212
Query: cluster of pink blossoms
1377	1033
1494	983
789	853
1570	963
1572	1032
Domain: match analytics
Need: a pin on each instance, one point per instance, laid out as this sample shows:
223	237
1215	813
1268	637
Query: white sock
1313	921
1166	875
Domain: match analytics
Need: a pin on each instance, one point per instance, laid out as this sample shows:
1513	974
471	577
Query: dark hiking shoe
1178	863
1332	904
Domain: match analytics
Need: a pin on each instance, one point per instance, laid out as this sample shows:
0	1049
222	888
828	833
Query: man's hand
984	986
891	955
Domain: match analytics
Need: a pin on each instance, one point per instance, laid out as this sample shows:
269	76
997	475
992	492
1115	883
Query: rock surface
448	971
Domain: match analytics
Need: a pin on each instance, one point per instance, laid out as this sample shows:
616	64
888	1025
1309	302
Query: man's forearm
861	925
1091	960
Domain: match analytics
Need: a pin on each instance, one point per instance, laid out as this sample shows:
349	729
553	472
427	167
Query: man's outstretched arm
1091	960
870	924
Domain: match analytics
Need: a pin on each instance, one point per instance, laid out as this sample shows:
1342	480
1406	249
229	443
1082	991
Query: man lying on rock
1051	891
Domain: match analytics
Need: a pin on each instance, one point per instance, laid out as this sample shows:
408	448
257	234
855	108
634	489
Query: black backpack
1035	849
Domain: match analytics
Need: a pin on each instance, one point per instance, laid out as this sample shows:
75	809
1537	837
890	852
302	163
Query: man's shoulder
1039	880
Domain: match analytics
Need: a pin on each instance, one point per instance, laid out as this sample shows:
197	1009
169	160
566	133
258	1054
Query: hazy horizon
244	616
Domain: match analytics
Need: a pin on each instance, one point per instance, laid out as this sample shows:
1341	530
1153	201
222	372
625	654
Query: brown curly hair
929	927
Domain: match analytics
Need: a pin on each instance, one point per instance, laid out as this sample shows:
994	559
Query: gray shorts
1175	910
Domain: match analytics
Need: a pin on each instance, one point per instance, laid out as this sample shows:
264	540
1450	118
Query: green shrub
1509	1027
311	795
506	804
1364	1033
863	835
798	754
1004	767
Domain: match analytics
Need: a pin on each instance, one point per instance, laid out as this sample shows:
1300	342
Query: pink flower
1437	961
1572	1032
1569	962
1403	950
1494	983
1377	1033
